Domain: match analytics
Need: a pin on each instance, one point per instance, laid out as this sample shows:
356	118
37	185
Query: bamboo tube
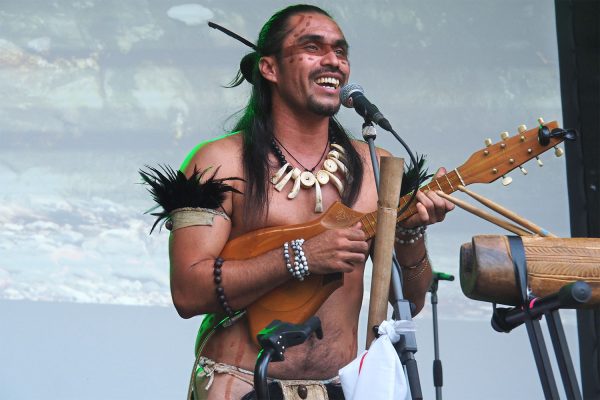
507	213
482	214
389	195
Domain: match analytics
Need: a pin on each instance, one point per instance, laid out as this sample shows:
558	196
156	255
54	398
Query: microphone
352	96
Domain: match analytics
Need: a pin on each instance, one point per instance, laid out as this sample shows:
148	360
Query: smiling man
296	161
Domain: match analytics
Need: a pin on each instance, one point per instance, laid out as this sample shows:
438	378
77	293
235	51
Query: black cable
413	161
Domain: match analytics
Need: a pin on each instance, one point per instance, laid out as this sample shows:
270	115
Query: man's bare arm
416	272
193	251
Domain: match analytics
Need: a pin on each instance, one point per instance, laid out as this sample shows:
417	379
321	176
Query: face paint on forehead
300	26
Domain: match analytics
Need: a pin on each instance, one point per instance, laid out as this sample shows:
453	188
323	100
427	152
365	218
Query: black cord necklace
279	154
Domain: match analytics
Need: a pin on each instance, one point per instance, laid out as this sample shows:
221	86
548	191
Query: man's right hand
337	250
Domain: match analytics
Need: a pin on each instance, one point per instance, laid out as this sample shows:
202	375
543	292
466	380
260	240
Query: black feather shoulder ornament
414	173
172	190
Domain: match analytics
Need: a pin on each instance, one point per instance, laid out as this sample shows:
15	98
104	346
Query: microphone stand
407	345
438	377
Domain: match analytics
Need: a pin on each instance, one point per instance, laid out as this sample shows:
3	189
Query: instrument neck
447	183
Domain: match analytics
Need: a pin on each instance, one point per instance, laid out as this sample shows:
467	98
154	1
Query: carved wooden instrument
487	272
296	301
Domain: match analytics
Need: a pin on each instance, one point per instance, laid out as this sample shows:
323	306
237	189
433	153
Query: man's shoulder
224	151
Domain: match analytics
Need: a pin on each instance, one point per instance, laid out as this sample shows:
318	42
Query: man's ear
267	66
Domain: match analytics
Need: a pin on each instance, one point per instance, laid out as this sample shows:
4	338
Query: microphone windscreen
347	91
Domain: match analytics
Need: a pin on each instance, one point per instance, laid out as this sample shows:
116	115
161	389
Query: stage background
92	91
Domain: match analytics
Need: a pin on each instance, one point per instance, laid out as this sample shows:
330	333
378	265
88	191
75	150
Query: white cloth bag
378	373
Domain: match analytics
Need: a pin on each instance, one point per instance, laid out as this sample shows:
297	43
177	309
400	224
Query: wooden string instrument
296	301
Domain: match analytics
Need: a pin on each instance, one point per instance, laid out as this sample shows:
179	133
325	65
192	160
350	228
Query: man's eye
341	53
311	47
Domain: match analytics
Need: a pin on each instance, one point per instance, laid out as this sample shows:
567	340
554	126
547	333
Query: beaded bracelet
400	230
300	261
219	289
414	234
286	258
299	268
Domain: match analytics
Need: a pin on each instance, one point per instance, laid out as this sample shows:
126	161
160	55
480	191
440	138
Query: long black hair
256	124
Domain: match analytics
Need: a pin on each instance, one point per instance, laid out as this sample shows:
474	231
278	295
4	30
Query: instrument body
293	301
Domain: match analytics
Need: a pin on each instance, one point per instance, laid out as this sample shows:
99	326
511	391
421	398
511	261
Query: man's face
313	65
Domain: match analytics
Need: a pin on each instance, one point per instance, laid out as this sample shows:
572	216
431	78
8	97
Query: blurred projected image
93	91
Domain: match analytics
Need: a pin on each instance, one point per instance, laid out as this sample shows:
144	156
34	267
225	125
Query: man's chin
325	110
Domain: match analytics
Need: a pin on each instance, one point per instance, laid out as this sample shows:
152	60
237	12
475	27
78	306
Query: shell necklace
307	179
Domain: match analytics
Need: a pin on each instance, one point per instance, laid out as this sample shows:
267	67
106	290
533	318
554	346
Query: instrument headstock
496	160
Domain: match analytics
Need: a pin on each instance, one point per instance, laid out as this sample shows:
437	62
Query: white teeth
333	81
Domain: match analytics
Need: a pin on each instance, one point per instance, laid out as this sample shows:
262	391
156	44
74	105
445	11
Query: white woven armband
188	216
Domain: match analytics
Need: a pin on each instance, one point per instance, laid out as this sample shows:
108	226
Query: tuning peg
504	135
558	151
522	128
506	180
539	161
523	170
488	142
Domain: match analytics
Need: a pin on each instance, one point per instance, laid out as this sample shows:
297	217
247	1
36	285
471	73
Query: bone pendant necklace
307	179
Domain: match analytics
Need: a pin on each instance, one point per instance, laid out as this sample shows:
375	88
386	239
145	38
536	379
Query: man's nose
330	58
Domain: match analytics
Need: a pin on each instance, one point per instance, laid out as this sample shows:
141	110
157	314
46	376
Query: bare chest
283	210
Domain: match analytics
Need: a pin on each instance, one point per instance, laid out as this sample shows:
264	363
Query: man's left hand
431	208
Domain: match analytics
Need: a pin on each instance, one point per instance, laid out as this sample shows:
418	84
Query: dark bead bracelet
219	289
